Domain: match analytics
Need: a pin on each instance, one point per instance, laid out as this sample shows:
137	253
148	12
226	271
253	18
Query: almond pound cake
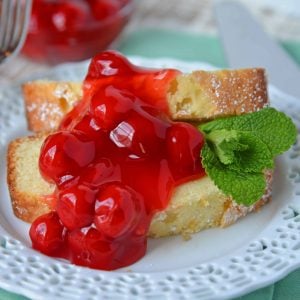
137	172
194	206
198	96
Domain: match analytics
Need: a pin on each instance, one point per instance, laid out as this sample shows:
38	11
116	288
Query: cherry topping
89	126
88	247
107	108
100	172
118	210
116	161
47	234
65	154
75	206
105	66
184	143
141	134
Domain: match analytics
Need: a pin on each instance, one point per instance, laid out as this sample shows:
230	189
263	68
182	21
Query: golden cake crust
46	102
203	95
199	96
26	186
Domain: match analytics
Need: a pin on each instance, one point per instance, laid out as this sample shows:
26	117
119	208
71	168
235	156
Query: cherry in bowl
65	30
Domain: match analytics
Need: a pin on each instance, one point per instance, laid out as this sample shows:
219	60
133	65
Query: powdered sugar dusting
244	93
47	112
46	108
63	91
216	84
31	107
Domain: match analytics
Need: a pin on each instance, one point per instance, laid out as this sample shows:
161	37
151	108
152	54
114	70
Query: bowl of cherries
74	30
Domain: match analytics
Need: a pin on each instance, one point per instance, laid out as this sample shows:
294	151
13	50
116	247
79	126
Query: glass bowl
65	30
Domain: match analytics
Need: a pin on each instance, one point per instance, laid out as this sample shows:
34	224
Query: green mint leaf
256	158
274	128
239	149
244	187
226	143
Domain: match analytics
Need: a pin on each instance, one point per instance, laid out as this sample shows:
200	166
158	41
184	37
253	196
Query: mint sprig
239	149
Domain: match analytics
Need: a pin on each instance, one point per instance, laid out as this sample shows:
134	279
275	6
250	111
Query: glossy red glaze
118	210
65	154
116	161
48	234
76	206
65	30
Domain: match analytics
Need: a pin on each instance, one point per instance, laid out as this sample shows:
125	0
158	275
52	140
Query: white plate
215	264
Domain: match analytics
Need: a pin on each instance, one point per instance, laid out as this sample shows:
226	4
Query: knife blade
246	44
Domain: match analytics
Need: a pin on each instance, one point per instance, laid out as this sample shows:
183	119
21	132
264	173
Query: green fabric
191	47
4	295
293	48
156	43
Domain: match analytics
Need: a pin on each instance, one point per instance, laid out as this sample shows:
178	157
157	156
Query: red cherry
138	243
63	154
141	134
61	15
89	126
118	210
47	234
88	247
100	172
75	206
107	64
102	9
109	106
184	143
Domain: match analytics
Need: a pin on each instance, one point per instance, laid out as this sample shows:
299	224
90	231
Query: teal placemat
191	47
4	295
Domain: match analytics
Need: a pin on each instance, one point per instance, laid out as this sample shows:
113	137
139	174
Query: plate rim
235	293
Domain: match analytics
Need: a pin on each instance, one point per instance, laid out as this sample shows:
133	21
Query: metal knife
247	45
